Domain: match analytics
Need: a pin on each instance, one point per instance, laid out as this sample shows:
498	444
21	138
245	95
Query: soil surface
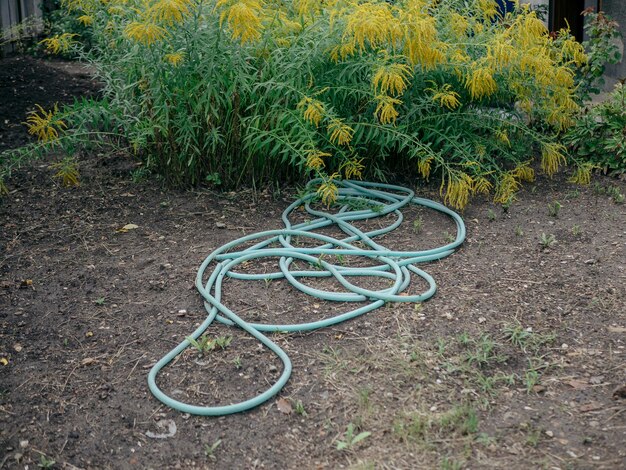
519	361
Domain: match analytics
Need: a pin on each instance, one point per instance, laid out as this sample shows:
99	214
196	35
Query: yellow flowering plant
253	90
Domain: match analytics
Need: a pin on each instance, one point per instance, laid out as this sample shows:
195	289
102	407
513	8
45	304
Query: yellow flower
506	188
307	7
489	9
328	190
503	136
459	24
146	33
340	133
353	168
391	78
445	96
314	160
72	5
482	185
59	43
85	20
371	22
582	175
524	172
458	190
44	124
528	31
385	110
175	58
169	11
342	51
313	110
67	172
243	17
500	54
552	157
423	166
574	51
421	44
481	83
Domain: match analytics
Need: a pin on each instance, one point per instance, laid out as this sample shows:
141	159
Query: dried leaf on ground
283	406
127	227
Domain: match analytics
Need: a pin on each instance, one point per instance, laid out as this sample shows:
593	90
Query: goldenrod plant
253	90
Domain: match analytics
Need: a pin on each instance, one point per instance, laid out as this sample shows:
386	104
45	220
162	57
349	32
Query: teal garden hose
396	266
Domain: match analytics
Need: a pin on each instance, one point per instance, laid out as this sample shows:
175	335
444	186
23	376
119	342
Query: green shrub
246	91
599	136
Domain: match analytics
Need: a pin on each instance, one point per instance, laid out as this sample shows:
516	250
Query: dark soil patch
26	82
513	363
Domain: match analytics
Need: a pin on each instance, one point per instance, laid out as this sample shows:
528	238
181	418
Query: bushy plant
599	136
251	90
601	47
58	22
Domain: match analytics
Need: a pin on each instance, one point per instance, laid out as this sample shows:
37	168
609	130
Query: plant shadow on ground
512	364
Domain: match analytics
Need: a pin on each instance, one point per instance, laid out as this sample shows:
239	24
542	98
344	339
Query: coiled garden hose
396	266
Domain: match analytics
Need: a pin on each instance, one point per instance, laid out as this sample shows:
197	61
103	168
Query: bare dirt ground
518	362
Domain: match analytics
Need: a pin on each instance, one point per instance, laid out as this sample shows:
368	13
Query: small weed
448	237
418	224
483	353
491	215
612	191
576	230
507	204
546	241
350	439
460	420
518	231
533	437
67	172
485	439
517	335
341	259
450	464
598	189
268	281
209	450
45	462
531	378
223	342
531	374
299	408
364	399
464	338
237	362
573	194
139	175
213	179
554	209
99	301
204	344
615	194
441	347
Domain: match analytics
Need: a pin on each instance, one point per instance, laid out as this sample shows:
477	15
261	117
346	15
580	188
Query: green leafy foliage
599	136
225	93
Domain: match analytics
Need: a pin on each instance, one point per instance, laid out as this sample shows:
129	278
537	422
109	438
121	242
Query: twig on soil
616	414
150	417
135	366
